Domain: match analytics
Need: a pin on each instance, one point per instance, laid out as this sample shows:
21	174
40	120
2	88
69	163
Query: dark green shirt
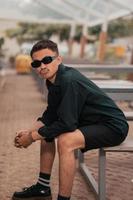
75	101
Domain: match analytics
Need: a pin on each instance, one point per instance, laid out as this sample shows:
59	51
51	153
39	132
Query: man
79	114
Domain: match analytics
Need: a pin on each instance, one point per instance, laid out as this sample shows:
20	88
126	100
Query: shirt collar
60	70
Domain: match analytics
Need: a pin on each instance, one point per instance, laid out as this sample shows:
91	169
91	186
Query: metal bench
100	187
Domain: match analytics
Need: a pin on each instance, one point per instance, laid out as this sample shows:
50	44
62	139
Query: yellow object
23	63
120	51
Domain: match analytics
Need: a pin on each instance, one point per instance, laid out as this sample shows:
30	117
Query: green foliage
121	28
34	31
117	28
78	33
64	31
95	30
1	42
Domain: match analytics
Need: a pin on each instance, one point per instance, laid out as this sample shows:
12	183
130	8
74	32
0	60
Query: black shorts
97	136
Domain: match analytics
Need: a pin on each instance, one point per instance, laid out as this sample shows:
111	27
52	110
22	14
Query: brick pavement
20	104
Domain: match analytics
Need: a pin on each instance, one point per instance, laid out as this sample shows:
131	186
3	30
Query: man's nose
43	66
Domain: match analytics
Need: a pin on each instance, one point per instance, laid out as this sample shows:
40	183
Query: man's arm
68	111
26	137
34	130
35	126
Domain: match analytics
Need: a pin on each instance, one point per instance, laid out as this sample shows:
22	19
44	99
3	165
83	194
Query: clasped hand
23	139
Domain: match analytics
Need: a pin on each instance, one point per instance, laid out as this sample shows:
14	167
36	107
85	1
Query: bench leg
87	173
80	156
102	174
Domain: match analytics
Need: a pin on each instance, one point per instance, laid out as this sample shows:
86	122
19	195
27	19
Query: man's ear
59	59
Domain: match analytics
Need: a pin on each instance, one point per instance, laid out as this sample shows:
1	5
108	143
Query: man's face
47	71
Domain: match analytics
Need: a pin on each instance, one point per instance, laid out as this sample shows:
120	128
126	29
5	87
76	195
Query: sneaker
33	193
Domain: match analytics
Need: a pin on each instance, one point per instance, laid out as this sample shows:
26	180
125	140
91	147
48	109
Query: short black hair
44	44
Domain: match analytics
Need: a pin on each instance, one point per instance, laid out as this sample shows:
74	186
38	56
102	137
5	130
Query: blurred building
10	47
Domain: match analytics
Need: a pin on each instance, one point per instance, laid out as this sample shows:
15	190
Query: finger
19	134
18	145
16	141
26	145
16	138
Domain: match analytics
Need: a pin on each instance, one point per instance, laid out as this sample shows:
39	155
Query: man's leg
67	143
47	155
42	188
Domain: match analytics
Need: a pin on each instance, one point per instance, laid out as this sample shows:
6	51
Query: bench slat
126	146
129	115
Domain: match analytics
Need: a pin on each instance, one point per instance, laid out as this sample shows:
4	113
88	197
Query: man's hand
18	134
23	139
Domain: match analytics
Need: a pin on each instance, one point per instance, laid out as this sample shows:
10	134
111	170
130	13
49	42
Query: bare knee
64	145
70	141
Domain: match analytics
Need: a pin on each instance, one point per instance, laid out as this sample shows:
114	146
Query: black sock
63	198
43	180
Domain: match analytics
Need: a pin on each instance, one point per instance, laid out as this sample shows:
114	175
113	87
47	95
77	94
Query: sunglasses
45	60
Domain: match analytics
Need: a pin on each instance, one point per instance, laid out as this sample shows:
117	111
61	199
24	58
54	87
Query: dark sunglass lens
36	63
47	60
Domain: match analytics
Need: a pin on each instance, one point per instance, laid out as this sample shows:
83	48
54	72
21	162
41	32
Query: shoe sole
33	198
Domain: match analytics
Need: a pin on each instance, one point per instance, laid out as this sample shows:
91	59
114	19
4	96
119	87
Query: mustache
44	70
